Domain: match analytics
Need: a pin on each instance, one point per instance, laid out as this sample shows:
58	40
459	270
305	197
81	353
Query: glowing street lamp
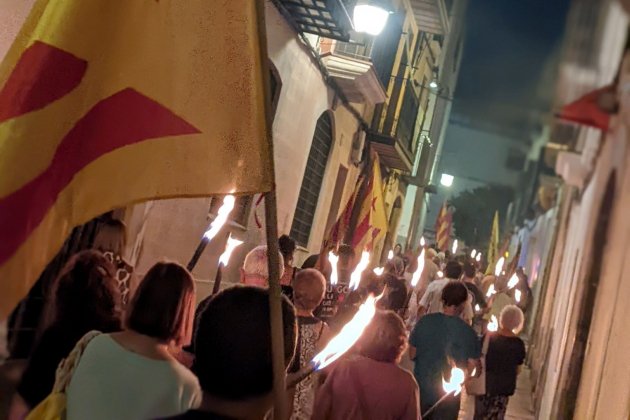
447	180
370	17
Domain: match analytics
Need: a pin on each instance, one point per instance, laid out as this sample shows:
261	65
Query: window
407	119
386	46
312	181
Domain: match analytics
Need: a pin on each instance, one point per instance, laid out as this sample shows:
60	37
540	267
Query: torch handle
434	406
295	378
217	279
195	258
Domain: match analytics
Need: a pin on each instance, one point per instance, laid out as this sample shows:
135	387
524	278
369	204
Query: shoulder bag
477	385
54	406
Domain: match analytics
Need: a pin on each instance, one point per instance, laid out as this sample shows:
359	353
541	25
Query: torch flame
355	277
390	254
491	291
422	241
333	259
473	253
418	273
379	271
478	258
513	281
454	385
229	247
493	325
222	216
517	295
348	335
455	243
499	267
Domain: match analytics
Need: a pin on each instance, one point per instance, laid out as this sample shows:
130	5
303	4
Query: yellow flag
372	224
104	103
493	246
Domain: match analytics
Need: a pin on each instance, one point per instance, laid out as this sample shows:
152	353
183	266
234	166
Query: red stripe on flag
120	120
361	230
42	75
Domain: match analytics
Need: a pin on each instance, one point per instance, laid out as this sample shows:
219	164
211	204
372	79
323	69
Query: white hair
512	318
255	263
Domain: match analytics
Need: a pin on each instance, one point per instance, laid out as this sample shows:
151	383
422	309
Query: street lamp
447	180
370	17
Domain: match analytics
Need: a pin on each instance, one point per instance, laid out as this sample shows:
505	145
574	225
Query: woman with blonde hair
352	391
111	240
132	374
504	355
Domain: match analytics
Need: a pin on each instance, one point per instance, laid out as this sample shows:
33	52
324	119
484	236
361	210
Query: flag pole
271	230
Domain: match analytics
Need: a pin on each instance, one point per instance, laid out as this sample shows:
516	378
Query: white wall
12	16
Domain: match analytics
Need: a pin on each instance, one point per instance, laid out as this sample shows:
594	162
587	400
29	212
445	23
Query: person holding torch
436	340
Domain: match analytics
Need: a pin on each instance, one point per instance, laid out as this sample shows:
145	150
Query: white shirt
432	300
113	383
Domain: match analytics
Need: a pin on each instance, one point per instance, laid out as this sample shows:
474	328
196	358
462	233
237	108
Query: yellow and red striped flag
104	103
372	222
443	225
493	247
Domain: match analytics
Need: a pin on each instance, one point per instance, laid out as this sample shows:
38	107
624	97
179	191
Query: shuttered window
312	181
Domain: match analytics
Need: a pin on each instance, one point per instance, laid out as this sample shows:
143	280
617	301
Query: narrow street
270	194
520	406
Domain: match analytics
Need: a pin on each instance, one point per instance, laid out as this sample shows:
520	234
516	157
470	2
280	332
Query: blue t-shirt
438	337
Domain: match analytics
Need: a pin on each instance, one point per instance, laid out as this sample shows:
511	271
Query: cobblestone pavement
520	406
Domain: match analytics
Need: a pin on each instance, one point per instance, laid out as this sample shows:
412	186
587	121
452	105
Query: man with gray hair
255	270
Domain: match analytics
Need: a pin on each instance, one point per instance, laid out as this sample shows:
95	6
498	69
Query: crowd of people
152	354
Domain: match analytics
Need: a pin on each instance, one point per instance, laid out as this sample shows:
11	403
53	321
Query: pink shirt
386	392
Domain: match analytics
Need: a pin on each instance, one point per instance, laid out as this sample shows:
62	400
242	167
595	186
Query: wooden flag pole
271	229
275	309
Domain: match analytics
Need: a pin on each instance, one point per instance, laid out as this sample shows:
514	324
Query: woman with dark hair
83	298
132	374
286	245
351	391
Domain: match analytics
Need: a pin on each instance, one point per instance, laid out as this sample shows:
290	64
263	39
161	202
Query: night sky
507	67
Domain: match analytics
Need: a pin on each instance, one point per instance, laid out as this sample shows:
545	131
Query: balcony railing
361	50
326	18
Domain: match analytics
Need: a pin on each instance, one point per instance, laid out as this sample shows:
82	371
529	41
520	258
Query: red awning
588	110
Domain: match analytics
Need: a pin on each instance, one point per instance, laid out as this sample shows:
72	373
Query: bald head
255	271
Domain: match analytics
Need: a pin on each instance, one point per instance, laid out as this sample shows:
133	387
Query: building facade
576	252
334	101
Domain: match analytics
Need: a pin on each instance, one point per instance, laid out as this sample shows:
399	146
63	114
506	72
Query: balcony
391	151
326	18
351	68
431	16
